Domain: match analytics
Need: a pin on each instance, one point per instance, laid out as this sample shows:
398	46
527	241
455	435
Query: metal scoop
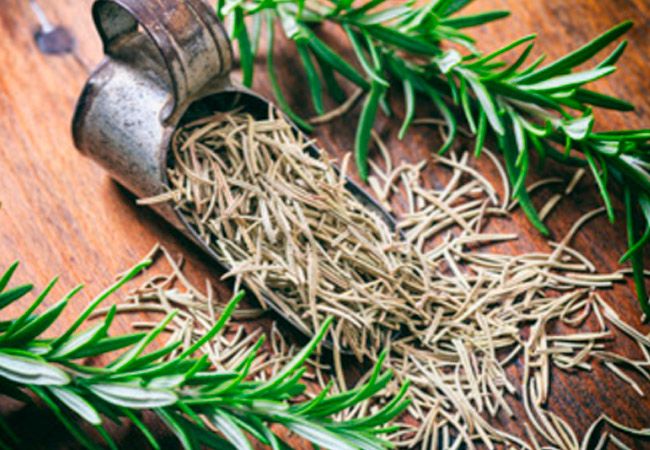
165	60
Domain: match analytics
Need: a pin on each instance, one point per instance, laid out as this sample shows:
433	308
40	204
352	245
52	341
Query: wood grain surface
62	215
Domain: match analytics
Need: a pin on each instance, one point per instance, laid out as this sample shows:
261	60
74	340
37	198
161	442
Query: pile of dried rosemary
285	224
288	228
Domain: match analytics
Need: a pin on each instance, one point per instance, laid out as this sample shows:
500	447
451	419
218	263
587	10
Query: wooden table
62	215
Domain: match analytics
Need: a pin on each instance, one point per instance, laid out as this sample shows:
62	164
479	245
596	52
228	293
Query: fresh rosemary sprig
527	107
201	406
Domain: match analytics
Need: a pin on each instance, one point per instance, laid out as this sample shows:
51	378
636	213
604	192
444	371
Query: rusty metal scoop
166	60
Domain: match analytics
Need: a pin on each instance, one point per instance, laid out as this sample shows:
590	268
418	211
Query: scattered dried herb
285	224
528	107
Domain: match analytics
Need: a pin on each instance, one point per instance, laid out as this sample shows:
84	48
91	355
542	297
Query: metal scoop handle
191	40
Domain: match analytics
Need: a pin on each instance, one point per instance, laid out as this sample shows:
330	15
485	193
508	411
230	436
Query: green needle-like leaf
275	85
636	258
98	300
312	77
602	185
578	56
20	369
246	55
409	102
474	19
224	423
366	122
78	404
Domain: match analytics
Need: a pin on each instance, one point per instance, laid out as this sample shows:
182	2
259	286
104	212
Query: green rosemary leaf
166	382
615	55
361	57
243	371
112	445
578	56
258	21
448	61
125	361
172	422
316	401
563	82
331	84
228	6
510	156
187	410
449	7
297	361
227	426
132	396
628	135
11	295
339	402
403	41
135	420
290	386
418	17
362	11
74	430
512	69
409	102
602	184
521	142
210	378
289	23
87	338
155	355
474	19
223	319
392	409
31	371
578	129
336	62
203	436
364	441
487	103
275	85
273	440
601	100
490	56
480	134
97	301
467	105
34	327
446	113
6	277
319	435
253	426
77	404
522	165
366	122
27	314
635	258
246	55
531	68
312	77
644	204
384	16
108	344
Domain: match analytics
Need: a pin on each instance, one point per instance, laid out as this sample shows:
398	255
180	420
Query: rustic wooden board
62	215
